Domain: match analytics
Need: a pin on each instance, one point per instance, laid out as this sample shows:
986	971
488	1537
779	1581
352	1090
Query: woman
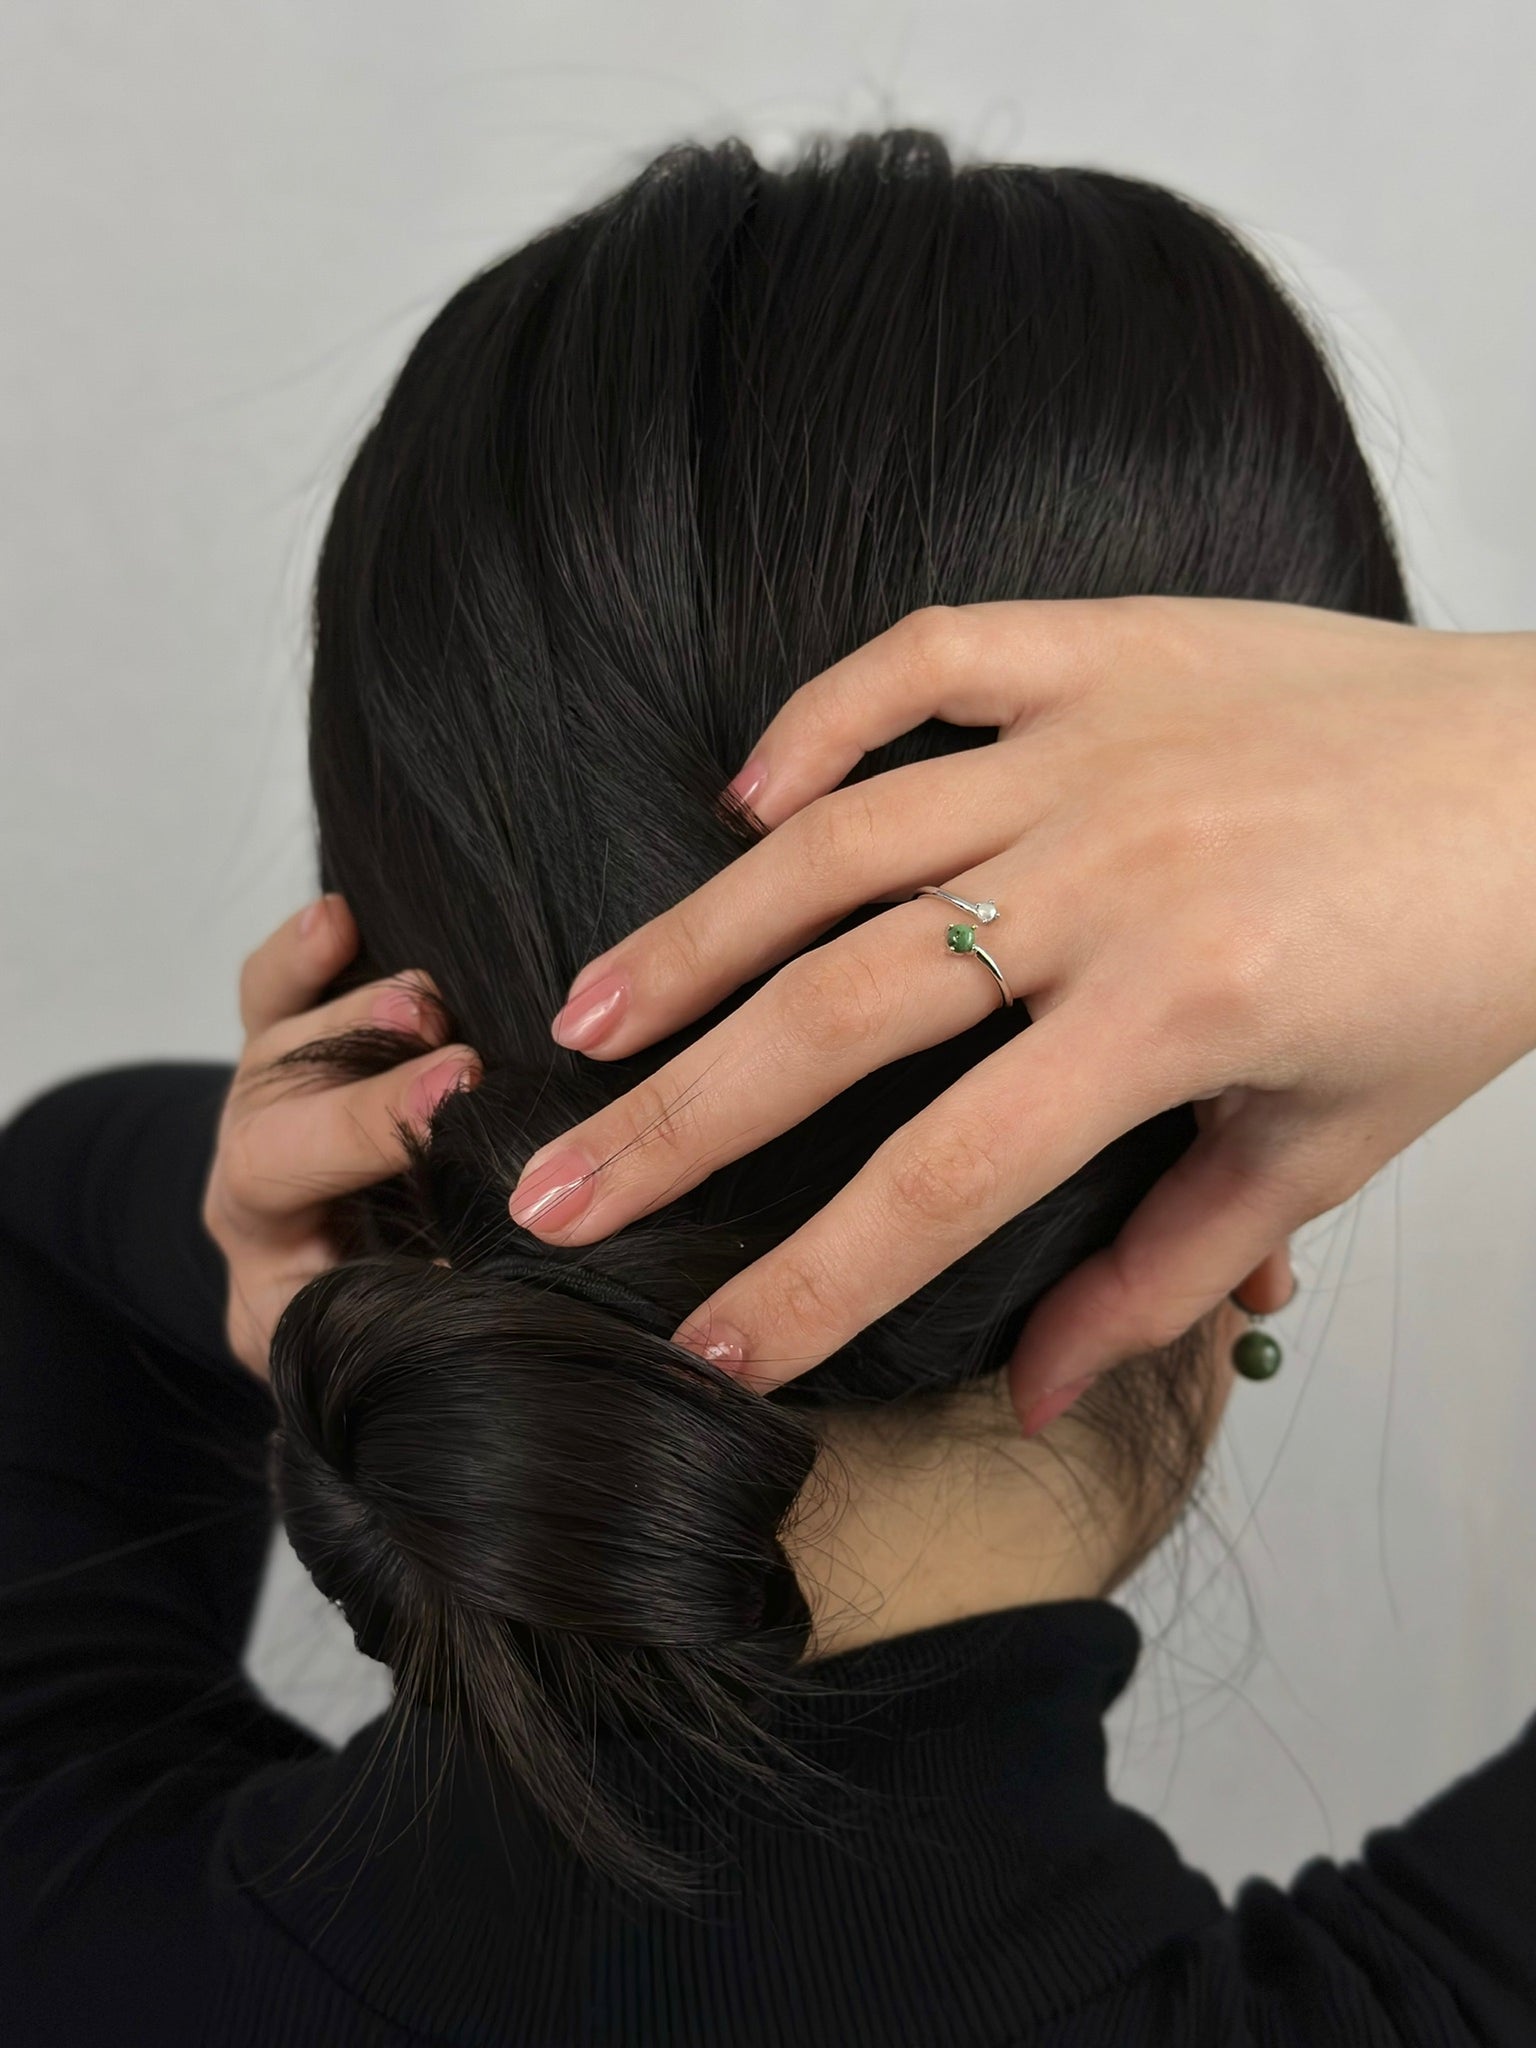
756	1696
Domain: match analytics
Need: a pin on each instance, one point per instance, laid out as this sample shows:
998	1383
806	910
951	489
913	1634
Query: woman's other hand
1276	862
287	1145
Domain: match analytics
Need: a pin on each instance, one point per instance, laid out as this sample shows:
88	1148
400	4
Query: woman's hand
1277	862
287	1147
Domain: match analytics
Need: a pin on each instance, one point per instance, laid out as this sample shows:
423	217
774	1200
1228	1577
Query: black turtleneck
181	1863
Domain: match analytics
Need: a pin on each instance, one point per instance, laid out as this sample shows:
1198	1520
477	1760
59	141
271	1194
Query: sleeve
135	1518
1428	1936
104	1175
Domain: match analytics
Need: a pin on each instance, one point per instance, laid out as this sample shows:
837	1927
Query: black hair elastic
583	1284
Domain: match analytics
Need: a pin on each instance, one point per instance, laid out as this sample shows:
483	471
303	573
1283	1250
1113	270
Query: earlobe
1270	1286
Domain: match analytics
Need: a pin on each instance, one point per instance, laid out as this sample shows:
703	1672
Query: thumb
1208	1224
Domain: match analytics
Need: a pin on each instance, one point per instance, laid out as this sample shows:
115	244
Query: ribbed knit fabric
179	1863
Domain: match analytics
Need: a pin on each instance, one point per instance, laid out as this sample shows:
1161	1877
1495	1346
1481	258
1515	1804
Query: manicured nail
398	1007
591	1015
554	1193
1050	1406
748	784
428	1089
713	1340
587	976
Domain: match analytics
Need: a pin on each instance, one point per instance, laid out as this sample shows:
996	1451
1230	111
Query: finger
1205	1226
1014	1127
261	1285
884	837
408	1003
312	1144
968	664
292	965
828	1018
979	664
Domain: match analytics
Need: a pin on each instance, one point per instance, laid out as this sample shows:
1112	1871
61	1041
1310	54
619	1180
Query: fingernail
554	1193
593	1014
714	1340
587	976
428	1089
1050	1406
309	921
748	783
397	1006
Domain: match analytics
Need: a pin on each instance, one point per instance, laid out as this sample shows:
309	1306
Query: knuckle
929	638
1223	997
660	1122
674	956
835	834
950	1178
803	1298
1143	624
1119	636
835	1000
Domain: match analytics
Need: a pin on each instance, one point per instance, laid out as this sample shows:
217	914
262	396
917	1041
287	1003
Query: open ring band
961	938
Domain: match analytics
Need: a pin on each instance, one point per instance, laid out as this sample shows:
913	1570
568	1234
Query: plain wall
221	226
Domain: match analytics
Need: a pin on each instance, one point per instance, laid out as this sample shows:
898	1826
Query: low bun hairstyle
501	1482
636	1494
634	484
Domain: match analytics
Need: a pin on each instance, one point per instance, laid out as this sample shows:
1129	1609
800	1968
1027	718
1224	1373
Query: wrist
1498	672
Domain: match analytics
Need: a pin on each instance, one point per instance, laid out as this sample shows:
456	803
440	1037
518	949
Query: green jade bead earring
1256	1355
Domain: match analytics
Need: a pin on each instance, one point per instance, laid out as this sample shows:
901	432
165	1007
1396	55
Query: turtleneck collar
988	1871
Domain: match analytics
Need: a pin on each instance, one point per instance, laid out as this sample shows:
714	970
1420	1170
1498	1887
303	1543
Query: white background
221	226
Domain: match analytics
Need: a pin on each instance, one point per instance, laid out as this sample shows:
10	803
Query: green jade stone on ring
1256	1355
961	938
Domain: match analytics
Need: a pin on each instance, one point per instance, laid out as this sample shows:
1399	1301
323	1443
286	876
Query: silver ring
961	938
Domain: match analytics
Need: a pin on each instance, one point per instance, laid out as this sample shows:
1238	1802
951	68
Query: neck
907	1526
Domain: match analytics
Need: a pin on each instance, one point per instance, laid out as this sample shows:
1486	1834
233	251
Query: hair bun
452	1436
546	1521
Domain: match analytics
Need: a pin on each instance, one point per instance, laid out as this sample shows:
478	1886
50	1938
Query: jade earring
1256	1355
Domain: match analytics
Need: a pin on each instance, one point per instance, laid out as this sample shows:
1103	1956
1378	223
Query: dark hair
634	484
